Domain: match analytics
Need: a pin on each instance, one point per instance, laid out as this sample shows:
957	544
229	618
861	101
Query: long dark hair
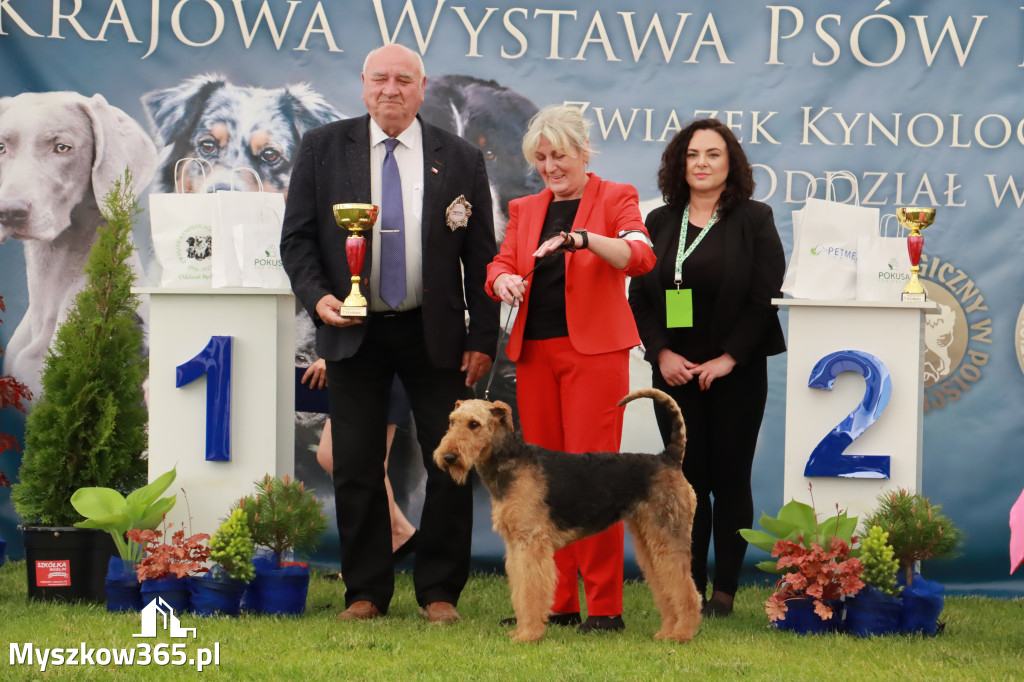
739	185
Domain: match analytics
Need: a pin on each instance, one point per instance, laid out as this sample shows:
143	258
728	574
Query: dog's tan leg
655	580
531	573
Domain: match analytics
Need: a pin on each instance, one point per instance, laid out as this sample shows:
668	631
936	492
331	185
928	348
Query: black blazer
744	323
333	166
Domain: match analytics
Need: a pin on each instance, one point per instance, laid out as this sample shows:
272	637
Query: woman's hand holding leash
510	288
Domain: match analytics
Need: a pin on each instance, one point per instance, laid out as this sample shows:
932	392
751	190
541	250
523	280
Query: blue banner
920	100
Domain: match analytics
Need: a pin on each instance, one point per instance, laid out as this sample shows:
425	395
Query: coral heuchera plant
12	393
183	557
814	572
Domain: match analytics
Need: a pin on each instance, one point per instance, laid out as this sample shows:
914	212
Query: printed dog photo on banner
60	152
232	127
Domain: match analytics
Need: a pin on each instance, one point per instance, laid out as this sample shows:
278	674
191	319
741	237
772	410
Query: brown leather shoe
440	612
360	610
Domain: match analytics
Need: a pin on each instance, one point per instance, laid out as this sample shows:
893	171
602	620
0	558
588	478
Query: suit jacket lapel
587	203
357	160
434	167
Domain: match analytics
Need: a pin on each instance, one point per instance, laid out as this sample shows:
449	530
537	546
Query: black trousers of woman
722	424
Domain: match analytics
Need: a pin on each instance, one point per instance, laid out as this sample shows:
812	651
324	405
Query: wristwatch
586	238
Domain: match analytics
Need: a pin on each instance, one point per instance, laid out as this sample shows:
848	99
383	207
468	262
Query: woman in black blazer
708	325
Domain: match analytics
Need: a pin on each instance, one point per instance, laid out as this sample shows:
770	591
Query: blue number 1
215	362
828	459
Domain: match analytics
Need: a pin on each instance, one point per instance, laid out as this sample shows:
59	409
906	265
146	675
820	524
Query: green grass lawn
983	640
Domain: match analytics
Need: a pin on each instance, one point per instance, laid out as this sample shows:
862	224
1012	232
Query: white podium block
261	324
893	333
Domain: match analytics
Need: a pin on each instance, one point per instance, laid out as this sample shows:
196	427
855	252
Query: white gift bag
259	254
181	225
241	213
883	265
825	251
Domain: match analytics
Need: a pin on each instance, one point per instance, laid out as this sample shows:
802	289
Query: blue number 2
828	458
215	362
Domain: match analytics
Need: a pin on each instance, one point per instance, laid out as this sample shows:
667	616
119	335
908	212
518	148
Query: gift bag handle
830	189
259	181
179	176
886	219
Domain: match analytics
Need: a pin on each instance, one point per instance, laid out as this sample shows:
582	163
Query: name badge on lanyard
679	301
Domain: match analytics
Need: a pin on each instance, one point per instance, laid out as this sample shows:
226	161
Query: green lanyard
683	253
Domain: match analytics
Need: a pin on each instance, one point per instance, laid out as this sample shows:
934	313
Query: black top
547	289
702	274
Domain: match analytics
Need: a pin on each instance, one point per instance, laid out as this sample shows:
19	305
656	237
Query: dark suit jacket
333	166
744	322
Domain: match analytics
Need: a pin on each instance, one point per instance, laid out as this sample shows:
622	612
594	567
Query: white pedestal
261	323
892	332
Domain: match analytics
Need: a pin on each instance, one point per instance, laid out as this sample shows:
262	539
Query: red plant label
53	573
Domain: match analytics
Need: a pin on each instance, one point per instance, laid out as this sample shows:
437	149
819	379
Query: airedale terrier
543	500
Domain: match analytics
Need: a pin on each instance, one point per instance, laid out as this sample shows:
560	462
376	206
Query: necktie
392	232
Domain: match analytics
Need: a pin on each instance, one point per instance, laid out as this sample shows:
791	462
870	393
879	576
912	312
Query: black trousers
359	388
722	424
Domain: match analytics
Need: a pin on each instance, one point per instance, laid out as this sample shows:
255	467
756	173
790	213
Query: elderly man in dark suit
425	266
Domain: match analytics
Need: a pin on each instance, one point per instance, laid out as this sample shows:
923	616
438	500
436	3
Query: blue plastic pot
280	591
801	618
124	592
173	590
211	597
3	551
923	601
872	612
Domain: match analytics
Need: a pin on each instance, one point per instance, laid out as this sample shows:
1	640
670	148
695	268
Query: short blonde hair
563	126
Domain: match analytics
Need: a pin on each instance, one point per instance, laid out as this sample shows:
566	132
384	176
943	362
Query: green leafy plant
879	561
181	558
107	509
88	428
917	529
815	572
282	515
798	523
12	393
232	548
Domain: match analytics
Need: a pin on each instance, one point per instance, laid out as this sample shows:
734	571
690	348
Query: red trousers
567	401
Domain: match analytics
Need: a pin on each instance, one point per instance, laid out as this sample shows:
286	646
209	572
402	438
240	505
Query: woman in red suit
573	331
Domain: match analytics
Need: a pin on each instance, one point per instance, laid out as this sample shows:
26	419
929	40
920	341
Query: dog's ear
503	413
175	111
308	108
120	142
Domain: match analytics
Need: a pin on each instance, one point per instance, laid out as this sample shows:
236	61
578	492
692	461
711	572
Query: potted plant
232	549
875	610
917	531
14	394
282	516
88	428
165	569
816	562
108	510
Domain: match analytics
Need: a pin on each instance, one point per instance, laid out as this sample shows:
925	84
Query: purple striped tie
392	232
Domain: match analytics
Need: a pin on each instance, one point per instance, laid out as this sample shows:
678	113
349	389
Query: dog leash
566	246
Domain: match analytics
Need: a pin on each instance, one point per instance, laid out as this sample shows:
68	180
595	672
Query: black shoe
407	548
601	623
561	619
716	609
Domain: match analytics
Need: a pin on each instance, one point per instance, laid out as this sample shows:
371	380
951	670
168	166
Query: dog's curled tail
675	449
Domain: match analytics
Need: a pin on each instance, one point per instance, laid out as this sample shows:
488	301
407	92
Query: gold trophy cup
355	218
915	219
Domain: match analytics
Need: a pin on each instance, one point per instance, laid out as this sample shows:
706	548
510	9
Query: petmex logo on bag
837	252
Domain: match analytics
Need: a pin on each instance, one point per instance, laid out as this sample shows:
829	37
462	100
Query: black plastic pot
64	563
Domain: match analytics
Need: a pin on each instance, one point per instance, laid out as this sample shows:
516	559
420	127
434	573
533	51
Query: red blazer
596	310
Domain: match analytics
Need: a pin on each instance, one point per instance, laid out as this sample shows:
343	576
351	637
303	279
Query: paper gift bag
259	255
825	253
182	229
883	265
239	213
